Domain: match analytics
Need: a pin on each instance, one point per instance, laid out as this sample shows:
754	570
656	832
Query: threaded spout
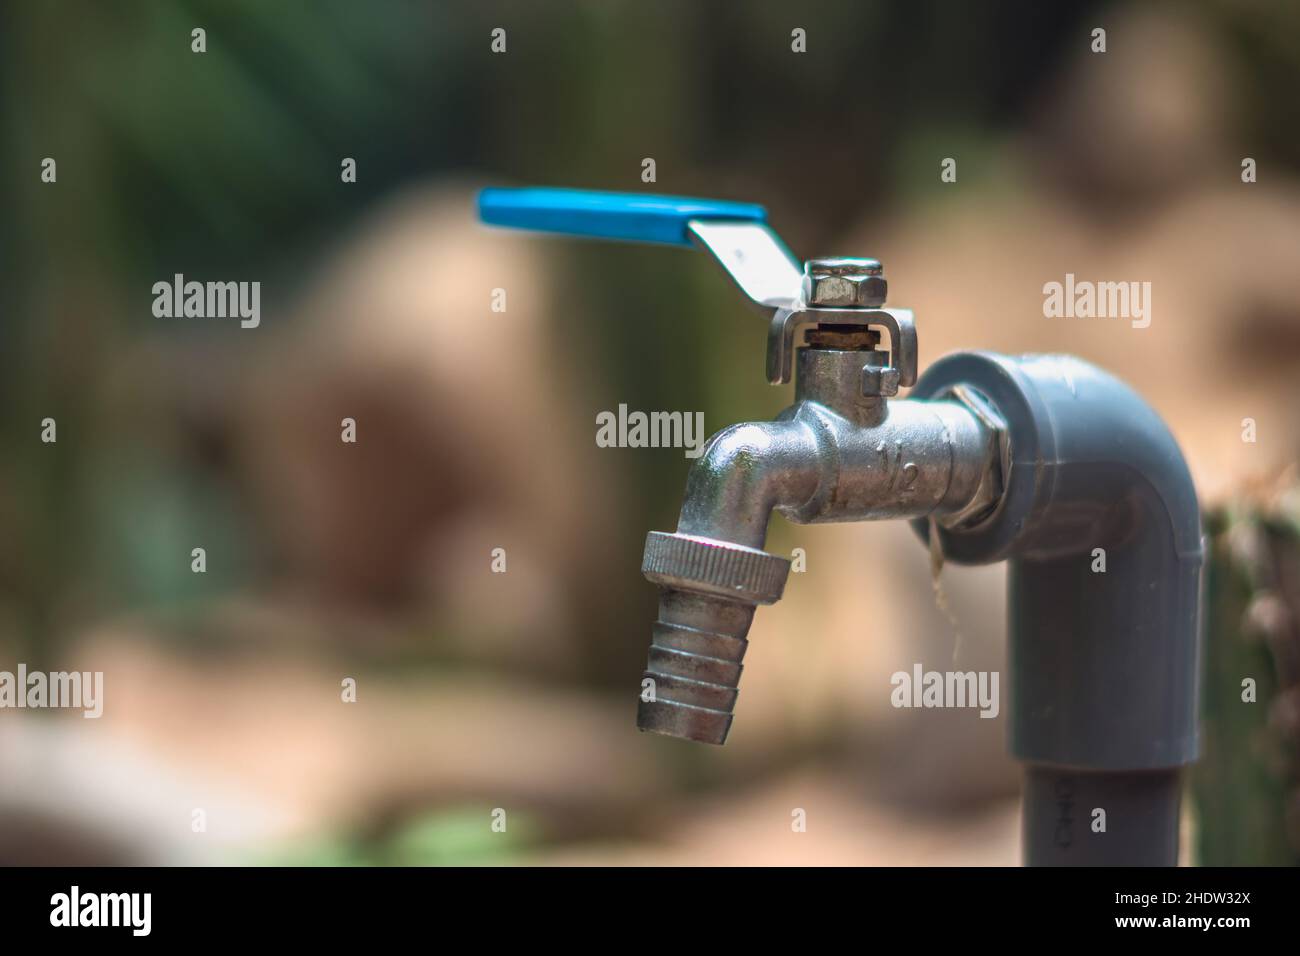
816	463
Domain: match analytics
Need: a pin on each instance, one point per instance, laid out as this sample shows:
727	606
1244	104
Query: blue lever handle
636	217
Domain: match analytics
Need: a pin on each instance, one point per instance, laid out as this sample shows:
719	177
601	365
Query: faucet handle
735	234
633	217
791	293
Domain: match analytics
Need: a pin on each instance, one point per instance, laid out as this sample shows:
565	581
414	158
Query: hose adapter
708	592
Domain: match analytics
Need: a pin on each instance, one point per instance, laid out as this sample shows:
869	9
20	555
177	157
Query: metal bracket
787	322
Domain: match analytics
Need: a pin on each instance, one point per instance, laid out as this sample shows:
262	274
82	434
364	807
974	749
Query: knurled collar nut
715	567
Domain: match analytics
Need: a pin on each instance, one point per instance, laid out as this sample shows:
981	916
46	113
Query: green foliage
1249	771
455	836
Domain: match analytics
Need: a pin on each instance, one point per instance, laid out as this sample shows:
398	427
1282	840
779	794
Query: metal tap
846	450
1036	460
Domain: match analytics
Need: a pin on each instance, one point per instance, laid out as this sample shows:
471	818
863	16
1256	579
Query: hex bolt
844	283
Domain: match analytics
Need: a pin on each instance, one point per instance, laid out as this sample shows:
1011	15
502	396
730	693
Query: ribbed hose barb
708	592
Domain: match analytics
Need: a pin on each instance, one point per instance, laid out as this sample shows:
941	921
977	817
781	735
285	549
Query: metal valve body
844	451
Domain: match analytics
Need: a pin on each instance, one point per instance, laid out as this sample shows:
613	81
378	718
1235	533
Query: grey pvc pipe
1104	664
1058	825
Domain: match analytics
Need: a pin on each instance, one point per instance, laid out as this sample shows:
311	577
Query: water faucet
1043	461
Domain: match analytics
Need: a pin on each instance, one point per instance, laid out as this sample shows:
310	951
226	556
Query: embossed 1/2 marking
902	475
907	478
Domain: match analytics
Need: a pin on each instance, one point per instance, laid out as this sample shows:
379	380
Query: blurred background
479	692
